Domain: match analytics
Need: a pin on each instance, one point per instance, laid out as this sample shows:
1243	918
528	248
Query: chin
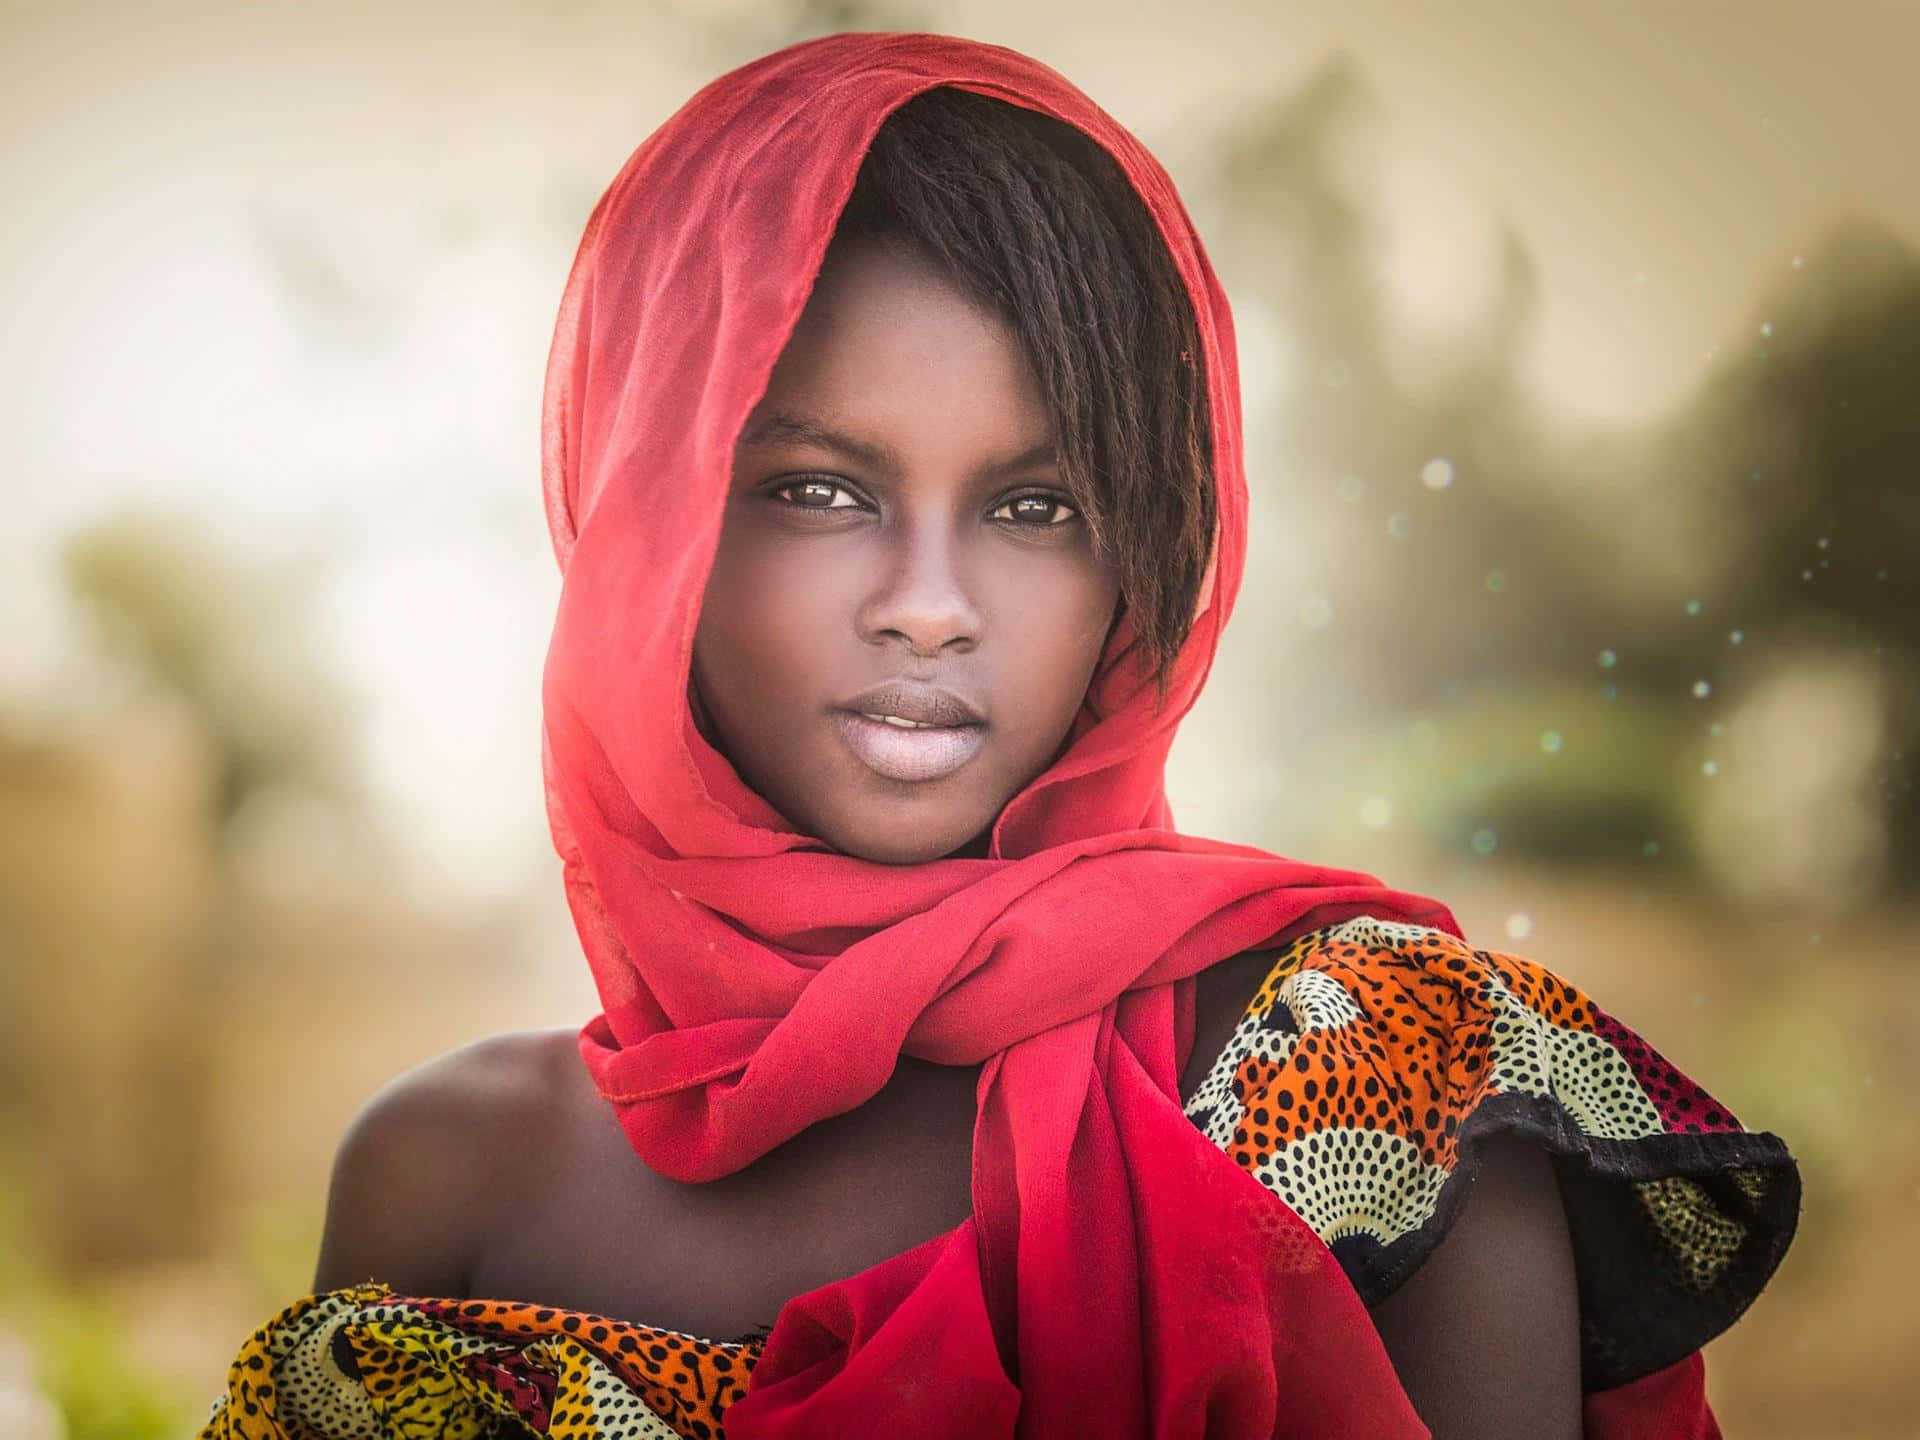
906	842
907	850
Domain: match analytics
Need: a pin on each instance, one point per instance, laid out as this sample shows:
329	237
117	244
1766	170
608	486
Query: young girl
892	458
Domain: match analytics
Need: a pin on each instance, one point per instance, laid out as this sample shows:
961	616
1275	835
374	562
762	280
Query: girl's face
906	609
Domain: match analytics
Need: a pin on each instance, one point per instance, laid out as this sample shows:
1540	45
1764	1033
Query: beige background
274	583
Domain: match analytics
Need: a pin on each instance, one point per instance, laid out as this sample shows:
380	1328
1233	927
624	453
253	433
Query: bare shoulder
433	1160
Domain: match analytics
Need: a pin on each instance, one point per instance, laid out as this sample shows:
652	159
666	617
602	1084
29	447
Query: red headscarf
1119	1275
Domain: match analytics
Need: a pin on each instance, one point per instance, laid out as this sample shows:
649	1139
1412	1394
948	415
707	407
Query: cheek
1058	622
769	614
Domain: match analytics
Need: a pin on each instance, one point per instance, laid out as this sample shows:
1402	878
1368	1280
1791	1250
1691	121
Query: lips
910	731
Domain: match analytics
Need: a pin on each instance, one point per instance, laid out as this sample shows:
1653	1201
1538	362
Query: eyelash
1065	510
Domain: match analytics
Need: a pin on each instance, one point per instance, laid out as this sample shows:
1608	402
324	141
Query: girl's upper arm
1485	1336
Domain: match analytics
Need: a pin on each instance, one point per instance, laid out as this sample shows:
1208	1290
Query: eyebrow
781	427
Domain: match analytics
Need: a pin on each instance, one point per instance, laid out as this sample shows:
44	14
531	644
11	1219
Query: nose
921	597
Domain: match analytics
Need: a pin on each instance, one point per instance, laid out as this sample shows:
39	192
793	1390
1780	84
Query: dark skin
897	514
910	523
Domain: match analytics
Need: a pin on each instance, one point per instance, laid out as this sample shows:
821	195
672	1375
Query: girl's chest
596	1230
591	1228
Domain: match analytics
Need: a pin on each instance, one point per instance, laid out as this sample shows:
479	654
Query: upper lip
917	701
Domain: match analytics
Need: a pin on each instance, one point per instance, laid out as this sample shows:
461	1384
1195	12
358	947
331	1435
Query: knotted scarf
1119	1276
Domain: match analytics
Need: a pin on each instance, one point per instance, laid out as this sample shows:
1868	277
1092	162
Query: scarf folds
1119	1275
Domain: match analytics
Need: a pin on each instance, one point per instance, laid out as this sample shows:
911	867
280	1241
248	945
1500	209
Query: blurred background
1582	360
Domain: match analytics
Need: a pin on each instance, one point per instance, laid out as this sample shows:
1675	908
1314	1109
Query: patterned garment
1356	1088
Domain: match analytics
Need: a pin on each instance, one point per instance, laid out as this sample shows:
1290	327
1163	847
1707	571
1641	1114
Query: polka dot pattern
1693	1227
1344	1181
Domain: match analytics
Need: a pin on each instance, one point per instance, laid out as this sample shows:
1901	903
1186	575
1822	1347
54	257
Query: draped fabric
1118	1276
1678	1215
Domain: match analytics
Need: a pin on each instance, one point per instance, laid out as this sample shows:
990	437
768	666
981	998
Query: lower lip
931	752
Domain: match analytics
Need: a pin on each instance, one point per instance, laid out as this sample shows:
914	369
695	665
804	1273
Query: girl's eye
1036	510
816	495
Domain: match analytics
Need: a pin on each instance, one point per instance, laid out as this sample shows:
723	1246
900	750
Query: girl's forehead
896	369
874	301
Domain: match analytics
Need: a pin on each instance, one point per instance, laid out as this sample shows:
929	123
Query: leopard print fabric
1357	1088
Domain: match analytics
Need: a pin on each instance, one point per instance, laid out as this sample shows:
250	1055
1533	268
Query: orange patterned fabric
1377	1056
1356	1088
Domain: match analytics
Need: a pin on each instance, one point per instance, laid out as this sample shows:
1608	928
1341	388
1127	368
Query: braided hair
1035	222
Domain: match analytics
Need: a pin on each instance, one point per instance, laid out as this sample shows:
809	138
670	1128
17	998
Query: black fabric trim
1637	1312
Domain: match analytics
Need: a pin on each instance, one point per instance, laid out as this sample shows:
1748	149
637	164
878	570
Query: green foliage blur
84	1363
94	1379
